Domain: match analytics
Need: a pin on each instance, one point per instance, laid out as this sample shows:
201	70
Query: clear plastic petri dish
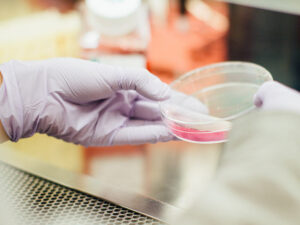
206	100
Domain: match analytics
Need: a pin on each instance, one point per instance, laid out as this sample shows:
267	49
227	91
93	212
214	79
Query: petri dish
208	99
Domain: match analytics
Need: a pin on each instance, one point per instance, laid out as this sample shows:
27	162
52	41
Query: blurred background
168	37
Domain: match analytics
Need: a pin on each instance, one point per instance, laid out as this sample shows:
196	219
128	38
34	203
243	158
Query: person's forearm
3	135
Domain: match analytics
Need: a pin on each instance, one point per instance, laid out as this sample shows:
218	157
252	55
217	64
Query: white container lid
113	17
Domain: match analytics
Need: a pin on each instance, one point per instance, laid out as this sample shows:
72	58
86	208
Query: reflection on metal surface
168	172
158	181
176	172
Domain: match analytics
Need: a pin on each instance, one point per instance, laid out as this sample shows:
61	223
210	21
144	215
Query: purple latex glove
275	96
82	102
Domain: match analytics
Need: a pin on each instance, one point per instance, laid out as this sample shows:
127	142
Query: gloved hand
275	96
82	102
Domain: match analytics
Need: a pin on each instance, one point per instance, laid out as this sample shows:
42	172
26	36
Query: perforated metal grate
30	200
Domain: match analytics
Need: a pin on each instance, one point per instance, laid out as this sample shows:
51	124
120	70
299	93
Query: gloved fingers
263	91
146	110
272	91
187	102
140	132
275	96
83	81
149	110
141	81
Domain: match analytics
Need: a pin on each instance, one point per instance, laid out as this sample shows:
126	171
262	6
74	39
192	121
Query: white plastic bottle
115	32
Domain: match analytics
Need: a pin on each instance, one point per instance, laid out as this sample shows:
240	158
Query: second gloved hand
82	102
275	96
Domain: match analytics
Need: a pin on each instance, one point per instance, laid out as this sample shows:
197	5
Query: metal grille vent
30	200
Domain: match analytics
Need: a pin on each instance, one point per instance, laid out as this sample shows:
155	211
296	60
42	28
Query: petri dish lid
225	89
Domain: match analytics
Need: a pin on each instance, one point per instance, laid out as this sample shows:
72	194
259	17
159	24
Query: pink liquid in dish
197	135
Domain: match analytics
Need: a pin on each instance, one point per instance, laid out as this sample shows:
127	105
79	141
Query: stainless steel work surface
155	180
27	199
